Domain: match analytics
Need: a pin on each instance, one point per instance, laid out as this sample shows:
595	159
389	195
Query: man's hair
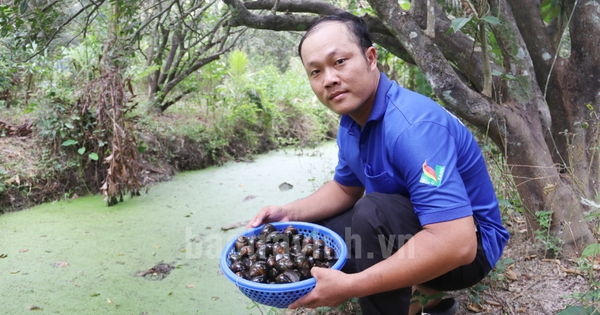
359	32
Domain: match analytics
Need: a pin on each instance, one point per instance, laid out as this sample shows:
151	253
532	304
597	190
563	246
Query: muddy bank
33	178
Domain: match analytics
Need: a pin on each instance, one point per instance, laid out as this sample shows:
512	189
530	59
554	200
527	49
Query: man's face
339	73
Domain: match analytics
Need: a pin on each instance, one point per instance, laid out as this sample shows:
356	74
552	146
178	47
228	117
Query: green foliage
589	300
593	214
418	297
238	63
550	10
579	310
498	272
458	23
79	61
407	75
24	23
70	132
591	251
549	243
246	106
475	290
19	79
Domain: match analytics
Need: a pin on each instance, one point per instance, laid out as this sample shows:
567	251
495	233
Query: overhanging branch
467	103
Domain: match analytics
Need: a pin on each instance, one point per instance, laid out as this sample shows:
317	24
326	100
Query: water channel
79	256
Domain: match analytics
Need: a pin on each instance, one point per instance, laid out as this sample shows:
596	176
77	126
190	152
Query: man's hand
332	289
268	214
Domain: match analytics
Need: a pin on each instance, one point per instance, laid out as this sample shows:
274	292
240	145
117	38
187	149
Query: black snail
279	257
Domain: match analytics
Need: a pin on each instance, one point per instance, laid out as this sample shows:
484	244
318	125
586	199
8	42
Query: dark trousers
374	229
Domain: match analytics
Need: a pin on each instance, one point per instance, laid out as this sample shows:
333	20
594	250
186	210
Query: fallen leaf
474	307
250	197
234	225
511	275
61	264
14	272
24	250
13	180
572	271
3	255
189	286
108	301
494	303
34	308
95	294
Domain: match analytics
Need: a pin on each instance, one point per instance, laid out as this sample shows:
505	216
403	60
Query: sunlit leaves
69	142
491	19
458	23
591	250
238	61
404	4
550	10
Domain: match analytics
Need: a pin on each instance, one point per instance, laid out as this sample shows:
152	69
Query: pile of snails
279	257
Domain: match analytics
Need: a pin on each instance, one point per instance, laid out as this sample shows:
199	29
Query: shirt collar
379	104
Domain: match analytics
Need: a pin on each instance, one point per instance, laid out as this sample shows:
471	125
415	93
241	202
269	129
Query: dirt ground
525	282
529	284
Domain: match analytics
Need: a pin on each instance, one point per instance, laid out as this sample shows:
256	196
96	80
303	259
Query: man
412	176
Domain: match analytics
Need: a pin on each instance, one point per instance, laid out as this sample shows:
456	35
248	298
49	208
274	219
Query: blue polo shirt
412	146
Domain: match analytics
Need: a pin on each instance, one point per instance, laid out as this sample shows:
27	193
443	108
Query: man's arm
434	251
437	249
332	198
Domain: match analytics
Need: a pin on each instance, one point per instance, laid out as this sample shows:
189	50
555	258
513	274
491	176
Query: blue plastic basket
282	295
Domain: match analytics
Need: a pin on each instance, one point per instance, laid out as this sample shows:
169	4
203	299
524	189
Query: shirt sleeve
344	174
426	156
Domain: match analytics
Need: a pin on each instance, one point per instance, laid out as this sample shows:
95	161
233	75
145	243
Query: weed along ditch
154	254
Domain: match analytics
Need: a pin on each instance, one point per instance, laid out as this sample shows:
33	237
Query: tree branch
65	23
167	104
524	90
152	18
527	14
306	6
468	104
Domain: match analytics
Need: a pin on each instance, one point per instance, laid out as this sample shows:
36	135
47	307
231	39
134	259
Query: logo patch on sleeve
432	176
